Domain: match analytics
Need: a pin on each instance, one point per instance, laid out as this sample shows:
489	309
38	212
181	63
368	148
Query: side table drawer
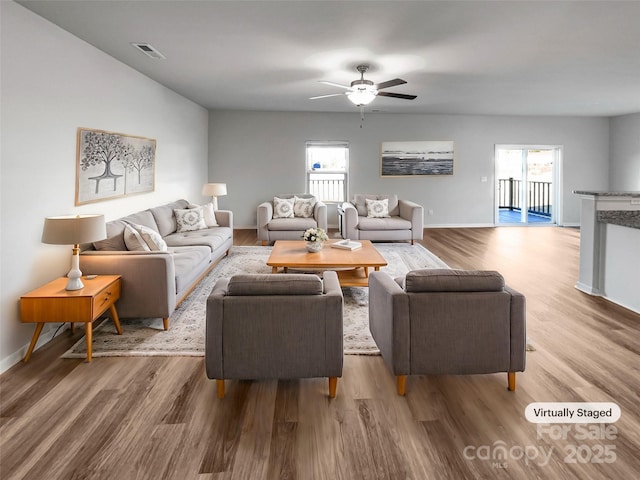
57	309
106	298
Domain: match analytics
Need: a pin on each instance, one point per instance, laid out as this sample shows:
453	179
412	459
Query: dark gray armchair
273	326
447	322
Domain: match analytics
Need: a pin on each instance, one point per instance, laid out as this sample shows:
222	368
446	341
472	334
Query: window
327	169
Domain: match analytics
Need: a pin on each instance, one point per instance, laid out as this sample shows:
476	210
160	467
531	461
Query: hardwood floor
159	418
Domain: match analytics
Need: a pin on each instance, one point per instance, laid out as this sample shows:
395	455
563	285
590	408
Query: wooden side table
51	303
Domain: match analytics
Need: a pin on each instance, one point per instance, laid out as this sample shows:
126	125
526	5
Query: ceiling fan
362	92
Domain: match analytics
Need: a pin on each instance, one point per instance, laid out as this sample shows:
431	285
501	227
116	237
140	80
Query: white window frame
322	191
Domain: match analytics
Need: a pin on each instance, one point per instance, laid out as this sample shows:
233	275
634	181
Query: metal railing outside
328	187
538	196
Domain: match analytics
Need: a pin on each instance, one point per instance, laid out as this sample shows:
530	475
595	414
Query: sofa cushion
210	237
270	284
377	208
134	241
144	217
439	280
389	223
189	219
165	218
283	207
297	224
303	207
115	238
189	263
115	230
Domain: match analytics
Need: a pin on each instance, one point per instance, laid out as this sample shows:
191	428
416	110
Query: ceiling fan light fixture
362	91
362	95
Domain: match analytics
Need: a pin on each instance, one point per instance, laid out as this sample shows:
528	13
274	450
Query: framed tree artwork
110	165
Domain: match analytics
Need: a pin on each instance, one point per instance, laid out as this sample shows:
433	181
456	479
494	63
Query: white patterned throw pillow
377	208
134	241
208	213
153	239
303	207
283	207
190	219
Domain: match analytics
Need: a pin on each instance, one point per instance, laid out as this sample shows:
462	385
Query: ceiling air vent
148	50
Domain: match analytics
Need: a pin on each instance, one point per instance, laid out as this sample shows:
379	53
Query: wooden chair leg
412	241
264	243
165	323
511	380
220	385
401	383
333	384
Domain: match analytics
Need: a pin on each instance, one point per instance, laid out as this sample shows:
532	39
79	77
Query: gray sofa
155	282
271	229
405	220
267	326
447	322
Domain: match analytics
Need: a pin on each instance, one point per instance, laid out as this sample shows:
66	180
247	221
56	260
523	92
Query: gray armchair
271	228
405	220
274	326
447	322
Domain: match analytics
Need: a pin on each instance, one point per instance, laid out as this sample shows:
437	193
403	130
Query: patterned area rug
185	337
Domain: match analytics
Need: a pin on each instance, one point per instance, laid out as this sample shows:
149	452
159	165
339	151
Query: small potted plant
314	238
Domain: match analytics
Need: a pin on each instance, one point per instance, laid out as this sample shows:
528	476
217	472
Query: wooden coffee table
352	266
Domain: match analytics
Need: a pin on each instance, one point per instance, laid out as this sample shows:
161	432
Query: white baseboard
623	305
461	225
445	225
18	355
596	293
588	289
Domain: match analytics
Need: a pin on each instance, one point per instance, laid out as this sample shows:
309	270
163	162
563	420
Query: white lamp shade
214	189
72	230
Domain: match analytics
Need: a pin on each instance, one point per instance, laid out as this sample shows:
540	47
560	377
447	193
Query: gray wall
625	153
53	83
259	154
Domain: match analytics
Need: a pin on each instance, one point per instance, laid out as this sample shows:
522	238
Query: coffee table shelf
352	266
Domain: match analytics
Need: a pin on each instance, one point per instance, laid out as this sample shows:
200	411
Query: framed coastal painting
404	159
111	165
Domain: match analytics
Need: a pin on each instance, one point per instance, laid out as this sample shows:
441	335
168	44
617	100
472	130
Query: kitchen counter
608	194
624	218
610	246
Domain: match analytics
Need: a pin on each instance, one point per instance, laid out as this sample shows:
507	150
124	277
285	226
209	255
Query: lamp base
74	284
75	275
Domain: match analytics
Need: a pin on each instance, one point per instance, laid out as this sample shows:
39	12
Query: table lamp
214	190
74	230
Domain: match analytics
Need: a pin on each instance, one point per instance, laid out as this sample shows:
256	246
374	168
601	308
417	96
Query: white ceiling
458	57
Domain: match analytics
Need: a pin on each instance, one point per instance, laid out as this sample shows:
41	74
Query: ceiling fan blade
335	84
390	83
397	95
325	96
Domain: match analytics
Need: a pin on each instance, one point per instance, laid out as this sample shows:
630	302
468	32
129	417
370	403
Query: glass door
525	180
